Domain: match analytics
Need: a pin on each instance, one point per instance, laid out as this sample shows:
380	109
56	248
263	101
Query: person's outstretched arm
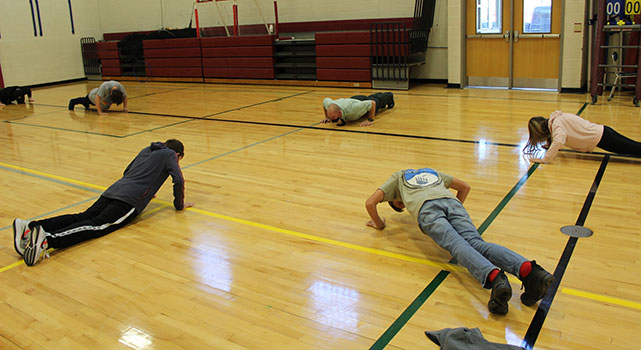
179	184
370	115
461	187
551	152
326	120
28	92
377	222
99	105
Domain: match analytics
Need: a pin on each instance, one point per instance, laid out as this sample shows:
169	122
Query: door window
537	16
488	16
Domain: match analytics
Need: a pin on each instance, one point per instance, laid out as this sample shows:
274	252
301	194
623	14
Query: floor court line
55	178
158	128
93	188
206	117
21	262
444	266
492	98
602	298
156	93
400	321
546	303
242	148
30	115
63	129
312	127
405	316
55	211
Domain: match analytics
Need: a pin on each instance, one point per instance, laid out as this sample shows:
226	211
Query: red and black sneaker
501	294
536	284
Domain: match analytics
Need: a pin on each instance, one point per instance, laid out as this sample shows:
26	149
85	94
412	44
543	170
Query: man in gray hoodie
116	207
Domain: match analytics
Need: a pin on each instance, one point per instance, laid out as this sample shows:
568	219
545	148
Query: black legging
82	100
614	142
382	99
104	216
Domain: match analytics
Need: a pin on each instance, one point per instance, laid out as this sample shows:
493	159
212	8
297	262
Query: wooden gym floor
276	255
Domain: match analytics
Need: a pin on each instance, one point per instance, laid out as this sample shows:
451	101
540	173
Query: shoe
21	235
391	105
37	247
536	284
71	104
501	294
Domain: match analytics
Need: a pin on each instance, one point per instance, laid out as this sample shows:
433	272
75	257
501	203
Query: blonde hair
539	132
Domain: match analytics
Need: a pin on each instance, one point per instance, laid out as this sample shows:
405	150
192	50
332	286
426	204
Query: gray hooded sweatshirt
144	176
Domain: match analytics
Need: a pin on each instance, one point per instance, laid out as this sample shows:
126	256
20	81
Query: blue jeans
450	226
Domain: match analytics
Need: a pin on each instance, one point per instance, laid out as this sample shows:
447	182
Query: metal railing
90	59
389	46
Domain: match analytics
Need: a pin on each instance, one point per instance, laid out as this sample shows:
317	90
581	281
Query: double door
513	43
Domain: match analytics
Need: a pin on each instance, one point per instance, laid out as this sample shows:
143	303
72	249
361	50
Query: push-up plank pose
441	215
565	129
356	107
116	207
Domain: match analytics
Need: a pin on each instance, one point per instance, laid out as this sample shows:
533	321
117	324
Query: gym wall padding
333	38
342	52
241	62
173	57
109	58
343	56
239	57
343	62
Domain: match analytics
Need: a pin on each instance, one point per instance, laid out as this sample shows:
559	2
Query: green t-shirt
415	187
351	109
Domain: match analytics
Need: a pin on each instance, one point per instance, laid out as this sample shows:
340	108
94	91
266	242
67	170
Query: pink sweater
572	131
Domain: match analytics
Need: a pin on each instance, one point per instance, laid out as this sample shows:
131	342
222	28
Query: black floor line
158	114
337	129
493	98
156	93
504	144
544	306
322	128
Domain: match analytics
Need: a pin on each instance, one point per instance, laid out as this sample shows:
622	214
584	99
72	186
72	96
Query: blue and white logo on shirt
424	177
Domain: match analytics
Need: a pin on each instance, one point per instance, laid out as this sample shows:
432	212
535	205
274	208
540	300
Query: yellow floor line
602	298
21	262
56	177
9	267
443	266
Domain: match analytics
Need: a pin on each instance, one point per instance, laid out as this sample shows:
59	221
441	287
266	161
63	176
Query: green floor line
382	342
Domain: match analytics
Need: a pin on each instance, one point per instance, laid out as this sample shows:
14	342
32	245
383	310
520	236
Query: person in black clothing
14	93
116	207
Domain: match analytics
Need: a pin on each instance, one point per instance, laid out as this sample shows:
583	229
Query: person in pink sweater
566	129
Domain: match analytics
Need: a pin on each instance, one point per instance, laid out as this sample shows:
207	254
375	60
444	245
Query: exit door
513	43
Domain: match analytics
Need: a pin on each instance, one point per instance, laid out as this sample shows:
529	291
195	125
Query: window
536	16
488	16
